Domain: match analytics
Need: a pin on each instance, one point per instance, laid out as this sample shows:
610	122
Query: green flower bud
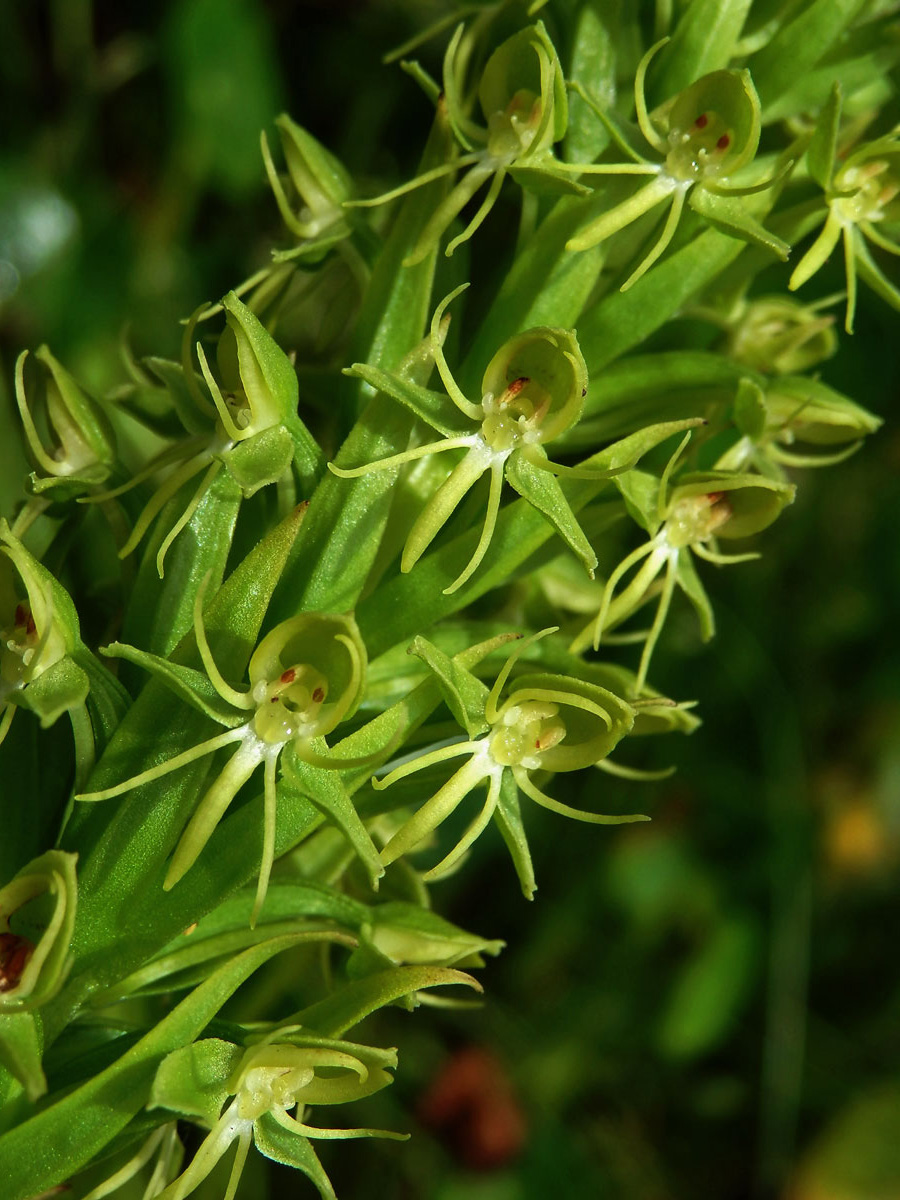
38	633
306	676
37	916
776	335
81	449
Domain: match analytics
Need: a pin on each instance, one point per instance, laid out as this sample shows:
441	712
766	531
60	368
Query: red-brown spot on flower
537	744
21	614
714	497
514	388
15	952
289	675
318	695
702	121
724	142
472	1105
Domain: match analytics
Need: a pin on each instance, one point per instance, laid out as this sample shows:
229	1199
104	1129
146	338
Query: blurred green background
705	1006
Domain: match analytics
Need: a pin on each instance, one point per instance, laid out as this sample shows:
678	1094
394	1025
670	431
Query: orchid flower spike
702	137
305	677
683	520
546	723
862	195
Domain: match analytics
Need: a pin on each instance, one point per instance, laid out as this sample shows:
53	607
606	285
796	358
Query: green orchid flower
522	97
684	520
547	722
39	639
532	392
705	135
862	194
80	450
262	1096
794	422
305	677
246	423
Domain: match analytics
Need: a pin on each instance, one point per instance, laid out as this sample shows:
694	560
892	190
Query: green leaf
347	517
799	45
822	148
593	66
224	82
464	694
703	41
750	409
351	1003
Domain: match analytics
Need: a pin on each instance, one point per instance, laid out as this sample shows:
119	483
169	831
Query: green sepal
544	177
820	154
107	700
268	379
401	934
20	1052
283	1146
194	687
60	688
732	97
193	1080
171	376
325	790
543	491
588	738
350	1004
755	500
85	449
640	491
623	455
689	582
435	408
508	818
464	694
750	409
260	460
816	413
729	214
321	180
872	274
